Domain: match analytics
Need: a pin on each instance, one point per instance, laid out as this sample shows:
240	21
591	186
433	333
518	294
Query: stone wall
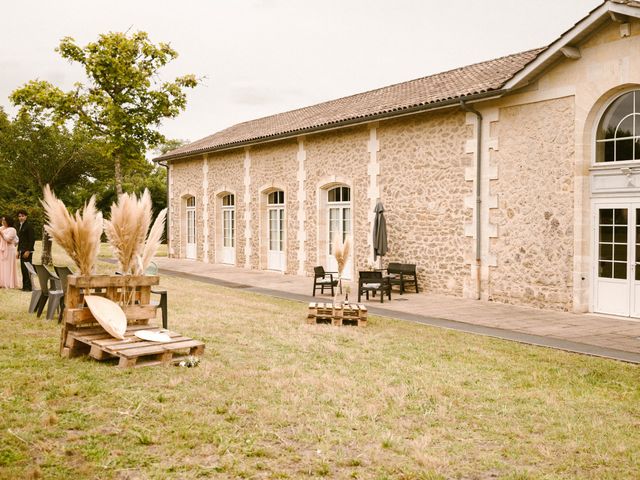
422	182
226	174
274	166
336	158
186	180
534	246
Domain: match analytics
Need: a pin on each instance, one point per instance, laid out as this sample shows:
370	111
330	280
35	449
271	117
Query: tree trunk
118	176
47	259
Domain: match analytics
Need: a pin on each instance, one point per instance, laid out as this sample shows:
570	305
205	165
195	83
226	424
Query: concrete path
603	336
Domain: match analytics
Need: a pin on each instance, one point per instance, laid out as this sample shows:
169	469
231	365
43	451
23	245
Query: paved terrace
603	336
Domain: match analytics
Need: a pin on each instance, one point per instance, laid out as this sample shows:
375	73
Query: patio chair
322	280
51	291
36	292
373	282
403	274
162	304
63	273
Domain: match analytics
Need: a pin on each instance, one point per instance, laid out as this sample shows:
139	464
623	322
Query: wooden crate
349	314
82	335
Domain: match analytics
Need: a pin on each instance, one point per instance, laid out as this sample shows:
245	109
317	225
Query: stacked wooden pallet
340	314
82	335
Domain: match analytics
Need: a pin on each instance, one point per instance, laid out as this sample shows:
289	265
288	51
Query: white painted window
618	134
339	222
228	229
617	267
276	231
191	228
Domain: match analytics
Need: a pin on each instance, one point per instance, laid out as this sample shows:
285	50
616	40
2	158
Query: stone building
514	180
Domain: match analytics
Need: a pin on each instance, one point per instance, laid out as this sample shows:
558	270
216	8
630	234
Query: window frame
596	142
228	209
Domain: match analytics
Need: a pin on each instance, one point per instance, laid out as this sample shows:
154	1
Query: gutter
339	125
478	115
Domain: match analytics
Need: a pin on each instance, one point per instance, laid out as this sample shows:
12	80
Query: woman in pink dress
8	252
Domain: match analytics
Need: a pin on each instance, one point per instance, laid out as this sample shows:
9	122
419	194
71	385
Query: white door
275	259
617	252
339	221
191	228
228	230
275	240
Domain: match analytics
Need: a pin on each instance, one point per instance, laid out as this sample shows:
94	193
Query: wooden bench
402	274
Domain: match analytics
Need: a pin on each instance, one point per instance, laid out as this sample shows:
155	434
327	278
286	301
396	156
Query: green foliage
144	175
123	102
34	154
170	144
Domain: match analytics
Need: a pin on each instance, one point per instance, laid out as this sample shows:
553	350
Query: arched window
618	135
339	222
191	227
276	226
339	203
276	198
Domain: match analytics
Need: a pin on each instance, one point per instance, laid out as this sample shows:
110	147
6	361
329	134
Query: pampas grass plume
341	251
127	232
79	235
153	241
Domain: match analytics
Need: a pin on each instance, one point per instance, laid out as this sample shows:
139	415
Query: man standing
26	243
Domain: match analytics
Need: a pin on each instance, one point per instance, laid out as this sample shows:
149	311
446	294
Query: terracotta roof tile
453	84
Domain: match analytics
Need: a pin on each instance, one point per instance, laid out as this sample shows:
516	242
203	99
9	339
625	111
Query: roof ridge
445	72
430	89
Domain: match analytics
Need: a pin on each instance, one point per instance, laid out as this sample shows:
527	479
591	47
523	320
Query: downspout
166	225
470	109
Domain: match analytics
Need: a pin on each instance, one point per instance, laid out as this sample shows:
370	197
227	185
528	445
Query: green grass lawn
277	398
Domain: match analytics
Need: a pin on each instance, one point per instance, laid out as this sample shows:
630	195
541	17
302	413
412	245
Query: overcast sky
260	57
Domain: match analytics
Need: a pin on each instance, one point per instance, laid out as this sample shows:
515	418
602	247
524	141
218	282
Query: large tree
34	154
122	101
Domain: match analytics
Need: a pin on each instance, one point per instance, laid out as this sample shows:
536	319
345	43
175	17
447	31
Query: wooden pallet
82	335
132	351
349	314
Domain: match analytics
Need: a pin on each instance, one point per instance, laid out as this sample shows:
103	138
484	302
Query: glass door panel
634	256
340	226
275	254
228	235
191	233
613	284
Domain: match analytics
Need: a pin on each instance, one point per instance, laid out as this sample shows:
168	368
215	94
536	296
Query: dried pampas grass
153	242
78	235
341	251
127	232
127	228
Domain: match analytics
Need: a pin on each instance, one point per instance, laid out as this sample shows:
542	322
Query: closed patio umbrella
380	246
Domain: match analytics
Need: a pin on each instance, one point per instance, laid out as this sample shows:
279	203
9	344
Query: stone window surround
611	96
217	222
263	224
183	223
322	190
